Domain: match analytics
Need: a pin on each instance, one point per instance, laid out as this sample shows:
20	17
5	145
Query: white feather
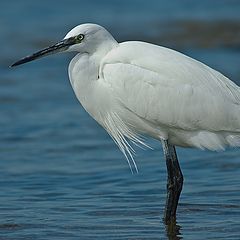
137	88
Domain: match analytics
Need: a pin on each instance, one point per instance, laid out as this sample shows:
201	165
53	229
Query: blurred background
61	176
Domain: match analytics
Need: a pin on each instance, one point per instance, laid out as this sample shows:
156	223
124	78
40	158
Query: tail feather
233	140
214	141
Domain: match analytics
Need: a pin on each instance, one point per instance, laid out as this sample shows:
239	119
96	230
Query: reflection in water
173	231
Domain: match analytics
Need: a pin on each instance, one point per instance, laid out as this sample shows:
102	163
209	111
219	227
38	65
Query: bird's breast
93	94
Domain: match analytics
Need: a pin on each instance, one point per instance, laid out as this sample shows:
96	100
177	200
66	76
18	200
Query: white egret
134	88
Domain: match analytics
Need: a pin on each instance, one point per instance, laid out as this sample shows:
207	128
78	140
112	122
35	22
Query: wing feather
168	88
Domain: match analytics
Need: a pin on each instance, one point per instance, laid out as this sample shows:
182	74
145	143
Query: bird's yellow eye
79	38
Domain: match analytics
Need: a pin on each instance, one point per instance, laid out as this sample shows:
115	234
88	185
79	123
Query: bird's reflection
173	231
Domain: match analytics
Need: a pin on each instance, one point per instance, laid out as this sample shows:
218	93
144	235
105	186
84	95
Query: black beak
58	47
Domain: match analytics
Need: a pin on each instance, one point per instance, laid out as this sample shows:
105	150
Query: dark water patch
214	208
7	82
204	34
229	166
185	34
9	99
10	226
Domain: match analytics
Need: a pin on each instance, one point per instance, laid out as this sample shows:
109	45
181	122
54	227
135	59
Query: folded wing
168	88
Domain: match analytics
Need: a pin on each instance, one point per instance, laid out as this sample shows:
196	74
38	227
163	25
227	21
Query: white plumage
136	88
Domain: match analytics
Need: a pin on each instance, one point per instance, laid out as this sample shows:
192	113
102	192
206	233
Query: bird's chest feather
92	93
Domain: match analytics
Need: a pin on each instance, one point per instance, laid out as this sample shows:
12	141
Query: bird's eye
79	38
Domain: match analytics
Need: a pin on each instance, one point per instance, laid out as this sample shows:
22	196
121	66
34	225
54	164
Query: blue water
61	176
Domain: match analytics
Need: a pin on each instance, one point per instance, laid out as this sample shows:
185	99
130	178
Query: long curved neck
84	67
84	73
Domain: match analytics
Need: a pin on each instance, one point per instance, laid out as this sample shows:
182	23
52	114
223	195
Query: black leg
174	182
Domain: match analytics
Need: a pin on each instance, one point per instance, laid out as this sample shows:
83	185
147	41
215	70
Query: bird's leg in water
174	182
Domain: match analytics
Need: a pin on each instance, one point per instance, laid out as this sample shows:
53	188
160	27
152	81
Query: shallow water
61	176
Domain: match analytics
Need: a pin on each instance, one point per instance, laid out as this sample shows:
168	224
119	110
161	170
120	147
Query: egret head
84	38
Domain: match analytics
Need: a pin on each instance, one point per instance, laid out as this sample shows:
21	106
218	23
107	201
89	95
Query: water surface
61	176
